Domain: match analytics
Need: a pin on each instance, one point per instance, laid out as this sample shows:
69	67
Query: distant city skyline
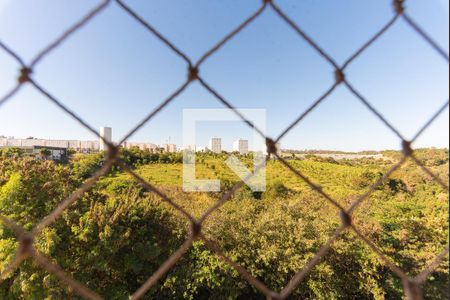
227	146
107	134
115	72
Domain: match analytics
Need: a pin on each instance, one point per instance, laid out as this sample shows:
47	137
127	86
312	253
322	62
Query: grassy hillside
118	234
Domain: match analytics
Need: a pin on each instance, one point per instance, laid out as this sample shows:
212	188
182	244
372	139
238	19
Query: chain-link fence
412	286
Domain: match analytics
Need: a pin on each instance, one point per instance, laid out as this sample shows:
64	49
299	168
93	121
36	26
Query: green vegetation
117	234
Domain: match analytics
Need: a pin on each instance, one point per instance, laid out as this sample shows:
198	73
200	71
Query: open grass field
118	234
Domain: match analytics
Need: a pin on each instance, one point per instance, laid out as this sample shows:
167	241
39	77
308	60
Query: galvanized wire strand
307	112
393	267
311	184
426	37
155	111
374	186
371	41
154	31
19	256
153	189
13	265
12	53
422	277
86	186
229	194
242	271
308	39
232	34
163	269
10	94
300	276
68	111
69	32
372	109
26	239
231	107
430	121
57	271
430	173
13	226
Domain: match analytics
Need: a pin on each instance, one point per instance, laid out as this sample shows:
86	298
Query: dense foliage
117	234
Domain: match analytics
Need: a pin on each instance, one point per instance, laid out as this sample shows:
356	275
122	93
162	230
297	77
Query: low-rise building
79	146
141	146
54	153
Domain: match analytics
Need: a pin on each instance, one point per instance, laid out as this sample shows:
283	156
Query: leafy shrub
117	235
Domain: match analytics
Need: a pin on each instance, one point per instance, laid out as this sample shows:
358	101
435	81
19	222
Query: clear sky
113	71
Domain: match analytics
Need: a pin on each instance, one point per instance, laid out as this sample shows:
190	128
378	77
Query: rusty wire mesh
412	286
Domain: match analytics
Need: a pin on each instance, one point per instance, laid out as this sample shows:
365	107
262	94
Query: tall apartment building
241	146
171	148
106	134
215	145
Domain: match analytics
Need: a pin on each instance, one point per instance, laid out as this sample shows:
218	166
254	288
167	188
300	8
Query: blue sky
113	71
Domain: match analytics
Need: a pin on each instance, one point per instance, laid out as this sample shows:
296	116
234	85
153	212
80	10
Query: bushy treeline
117	235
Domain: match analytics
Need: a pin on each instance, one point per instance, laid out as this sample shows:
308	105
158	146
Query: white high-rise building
241	146
171	148
106	134
215	145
